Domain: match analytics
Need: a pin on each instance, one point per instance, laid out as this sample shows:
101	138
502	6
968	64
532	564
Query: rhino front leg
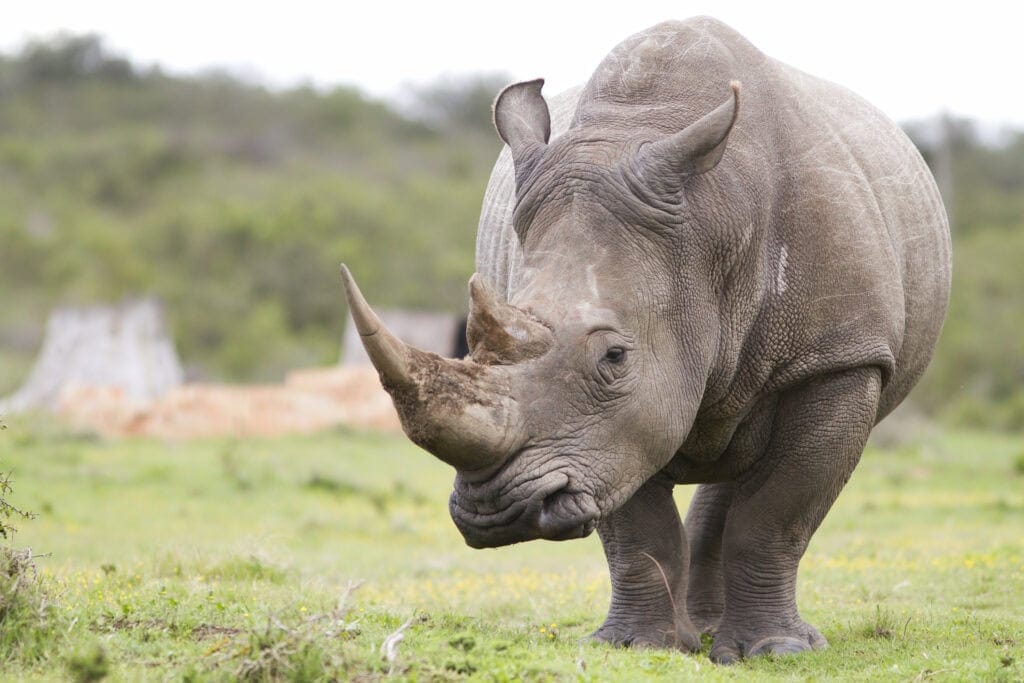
816	441
705	524
647	558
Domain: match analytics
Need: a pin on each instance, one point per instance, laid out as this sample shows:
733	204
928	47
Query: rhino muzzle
462	411
550	508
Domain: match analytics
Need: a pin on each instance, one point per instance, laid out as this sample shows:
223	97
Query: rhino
702	267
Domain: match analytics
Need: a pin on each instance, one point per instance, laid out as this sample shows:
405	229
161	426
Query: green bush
29	625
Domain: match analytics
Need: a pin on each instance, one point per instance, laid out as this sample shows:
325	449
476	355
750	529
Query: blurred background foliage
234	204
231	203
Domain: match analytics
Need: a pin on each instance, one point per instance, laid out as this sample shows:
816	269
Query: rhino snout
489	514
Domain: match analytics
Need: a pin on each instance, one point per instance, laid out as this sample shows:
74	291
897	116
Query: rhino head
585	383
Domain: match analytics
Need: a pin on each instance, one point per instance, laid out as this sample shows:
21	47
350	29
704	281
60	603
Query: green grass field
228	559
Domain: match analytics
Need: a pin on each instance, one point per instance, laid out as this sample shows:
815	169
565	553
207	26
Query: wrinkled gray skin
689	282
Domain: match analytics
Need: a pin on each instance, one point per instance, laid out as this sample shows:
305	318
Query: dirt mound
309	400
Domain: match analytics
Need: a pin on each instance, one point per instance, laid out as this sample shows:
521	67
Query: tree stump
124	348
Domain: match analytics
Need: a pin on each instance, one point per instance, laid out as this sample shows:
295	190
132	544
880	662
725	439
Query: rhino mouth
549	507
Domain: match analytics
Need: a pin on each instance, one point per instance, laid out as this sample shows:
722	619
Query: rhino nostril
564	515
554	504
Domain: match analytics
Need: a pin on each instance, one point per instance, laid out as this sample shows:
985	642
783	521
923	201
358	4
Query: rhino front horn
388	354
459	410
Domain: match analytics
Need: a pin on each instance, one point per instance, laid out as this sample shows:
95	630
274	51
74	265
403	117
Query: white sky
912	59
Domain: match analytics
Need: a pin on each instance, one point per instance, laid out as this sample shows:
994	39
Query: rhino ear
696	149
523	121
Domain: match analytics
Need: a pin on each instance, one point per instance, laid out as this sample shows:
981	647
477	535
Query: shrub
27	628
28	621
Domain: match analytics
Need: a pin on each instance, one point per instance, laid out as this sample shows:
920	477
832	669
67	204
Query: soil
309	400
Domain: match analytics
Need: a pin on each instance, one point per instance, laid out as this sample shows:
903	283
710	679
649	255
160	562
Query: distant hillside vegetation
234	204
977	376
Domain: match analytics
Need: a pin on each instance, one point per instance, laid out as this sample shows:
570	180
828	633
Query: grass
332	557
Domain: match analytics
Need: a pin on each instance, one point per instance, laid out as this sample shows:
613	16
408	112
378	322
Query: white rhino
690	281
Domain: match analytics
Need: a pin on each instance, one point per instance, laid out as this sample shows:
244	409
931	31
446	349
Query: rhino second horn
458	410
499	333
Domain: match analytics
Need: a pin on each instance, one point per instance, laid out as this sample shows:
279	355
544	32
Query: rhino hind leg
818	434
647	558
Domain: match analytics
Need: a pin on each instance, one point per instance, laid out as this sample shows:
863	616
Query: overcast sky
912	59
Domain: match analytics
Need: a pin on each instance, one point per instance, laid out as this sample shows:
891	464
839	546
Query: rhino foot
706	620
731	645
622	634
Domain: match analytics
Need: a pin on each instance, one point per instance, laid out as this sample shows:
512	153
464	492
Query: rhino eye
615	354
